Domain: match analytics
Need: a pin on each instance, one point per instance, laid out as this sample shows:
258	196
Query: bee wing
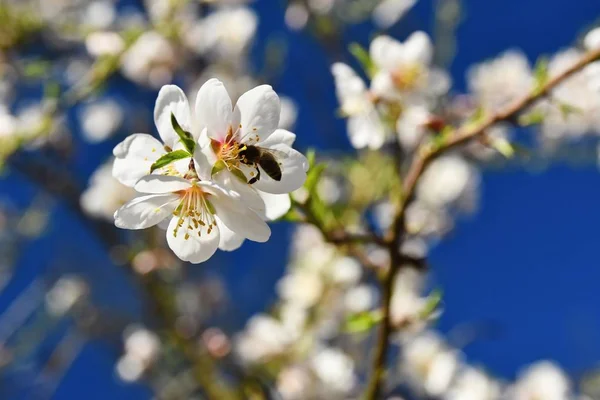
277	154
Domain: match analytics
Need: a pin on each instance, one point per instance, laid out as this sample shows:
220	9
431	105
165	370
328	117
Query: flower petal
229	239
387	53
204	157
276	205
418	48
366	130
134	156
293	172
248	195
145	211
259	109
279	136
240	219
161	184
171	99
214	110
188	245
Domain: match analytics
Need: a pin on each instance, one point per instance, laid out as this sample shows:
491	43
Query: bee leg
256	178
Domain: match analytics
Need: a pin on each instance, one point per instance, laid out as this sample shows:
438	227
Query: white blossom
591	40
303	287
100	120
365	126
335	369
105	193
150	60
474	384
65	293
388	12
542	380
102	43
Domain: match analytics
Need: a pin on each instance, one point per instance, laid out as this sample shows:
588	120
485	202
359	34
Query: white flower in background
100	14
264	337
197	210
8	123
65	293
426	220
150	60
579	92
591	40
403	69
542	380
407	304
448	181
345	271
302	287
474	384
498	82
226	33
105	193
429	364
335	369
365	127
103	43
296	16
100	120
289	113
411	127
360	298
245	151
388	12
141	350
294	383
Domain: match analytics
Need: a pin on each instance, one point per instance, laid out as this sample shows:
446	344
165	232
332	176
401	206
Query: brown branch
425	155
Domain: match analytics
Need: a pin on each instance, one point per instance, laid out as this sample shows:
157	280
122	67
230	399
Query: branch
425	155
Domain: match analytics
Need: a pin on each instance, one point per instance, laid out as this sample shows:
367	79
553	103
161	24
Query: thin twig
425	155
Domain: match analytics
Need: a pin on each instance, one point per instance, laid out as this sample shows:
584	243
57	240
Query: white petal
214	110
190	247
134	156
248	195
591	40
418	48
259	110
279	136
145	211
241	219
387	53
383	86
204	157
293	172
229	239
277	205
161	184
171	99
366	130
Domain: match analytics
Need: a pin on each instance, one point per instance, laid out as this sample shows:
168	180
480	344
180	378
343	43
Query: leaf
540	75
433	301
169	158
567	109
218	167
362	56
313	177
503	147
534	117
186	138
362	322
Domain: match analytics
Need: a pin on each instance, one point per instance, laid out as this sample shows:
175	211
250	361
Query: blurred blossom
294	383
407	304
498	82
404	71
542	380
474	384
303	287
263	338
430	366
424	220
8	123
360	298
150	60
448	181
105	193
329	190
388	12
592	39
345	271
335	369
102	43
412	126
226	33
100	120
296	16
65	293
141	350
100	14
365	127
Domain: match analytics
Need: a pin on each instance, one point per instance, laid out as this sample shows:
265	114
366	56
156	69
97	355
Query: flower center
195	212
407	76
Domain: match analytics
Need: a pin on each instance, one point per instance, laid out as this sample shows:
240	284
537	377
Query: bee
256	156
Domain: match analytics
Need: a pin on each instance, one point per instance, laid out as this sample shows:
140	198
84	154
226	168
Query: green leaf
534	117
186	138
503	147
362	322
218	167
169	158
362	56
540	75
433	302
567	109
312	179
